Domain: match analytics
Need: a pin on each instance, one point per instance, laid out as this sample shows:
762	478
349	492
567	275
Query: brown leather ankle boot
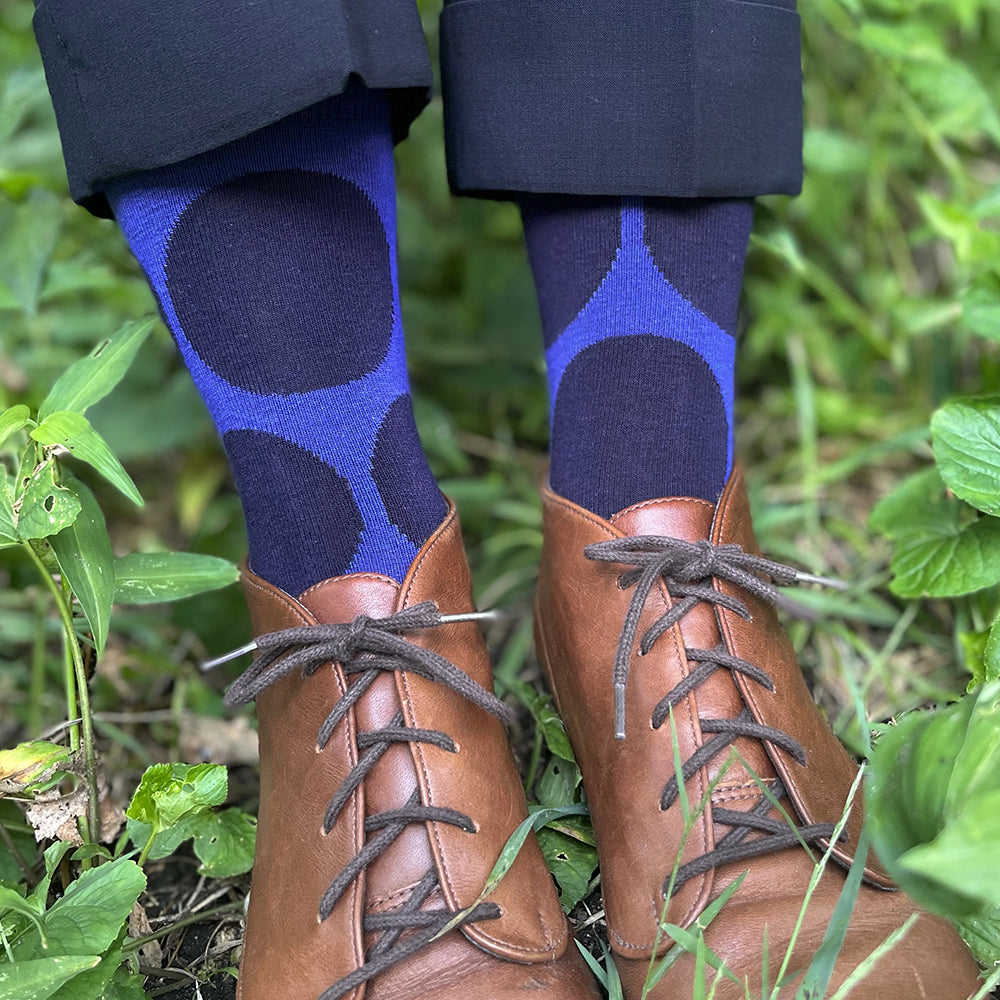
661	619
388	790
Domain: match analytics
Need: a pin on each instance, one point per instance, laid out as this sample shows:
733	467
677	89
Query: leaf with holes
558	784
93	377
224	842
44	507
73	432
571	862
83	551
168	793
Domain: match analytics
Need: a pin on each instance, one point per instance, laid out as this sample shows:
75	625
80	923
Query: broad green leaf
92	983
965	856
83	551
149	577
919	495
53	856
13	419
45	507
164	843
966	435
981	307
93	377
906	786
933	783
947	558
571	862
170	792
558	784
14	902
39	978
28	234
224	842
976	771
73	431
89	916
982	935
124	986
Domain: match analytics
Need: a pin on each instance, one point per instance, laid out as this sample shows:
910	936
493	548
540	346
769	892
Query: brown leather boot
388	790
666	609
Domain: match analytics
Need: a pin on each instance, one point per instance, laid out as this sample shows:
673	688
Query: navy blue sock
639	299
274	262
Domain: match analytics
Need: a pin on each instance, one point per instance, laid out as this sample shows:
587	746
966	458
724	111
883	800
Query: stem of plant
69	683
144	853
77	678
37	670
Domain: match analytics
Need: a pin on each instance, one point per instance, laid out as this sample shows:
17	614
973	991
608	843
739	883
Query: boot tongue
393	779
718	697
343	598
674	517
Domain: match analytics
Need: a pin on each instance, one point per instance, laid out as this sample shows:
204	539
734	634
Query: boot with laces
388	790
661	621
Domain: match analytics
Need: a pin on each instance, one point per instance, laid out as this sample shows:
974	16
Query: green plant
73	949
933	796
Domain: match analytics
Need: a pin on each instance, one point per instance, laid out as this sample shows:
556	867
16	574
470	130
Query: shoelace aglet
494	614
824	581
233	654
619	710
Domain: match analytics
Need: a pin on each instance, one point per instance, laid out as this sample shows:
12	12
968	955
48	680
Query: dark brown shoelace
687	569
365	648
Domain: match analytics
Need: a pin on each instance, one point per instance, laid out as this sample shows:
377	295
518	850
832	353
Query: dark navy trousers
675	98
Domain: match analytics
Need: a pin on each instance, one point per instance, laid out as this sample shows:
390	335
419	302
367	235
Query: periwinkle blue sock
639	300
274	262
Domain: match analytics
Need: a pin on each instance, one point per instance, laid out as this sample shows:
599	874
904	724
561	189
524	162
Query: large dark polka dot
282	281
637	418
699	245
316	525
572	242
404	481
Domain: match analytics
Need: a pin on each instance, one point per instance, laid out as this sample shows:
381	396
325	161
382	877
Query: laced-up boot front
657	632
388	790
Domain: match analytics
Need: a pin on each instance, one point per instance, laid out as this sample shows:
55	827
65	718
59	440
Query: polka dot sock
638	300
274	262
